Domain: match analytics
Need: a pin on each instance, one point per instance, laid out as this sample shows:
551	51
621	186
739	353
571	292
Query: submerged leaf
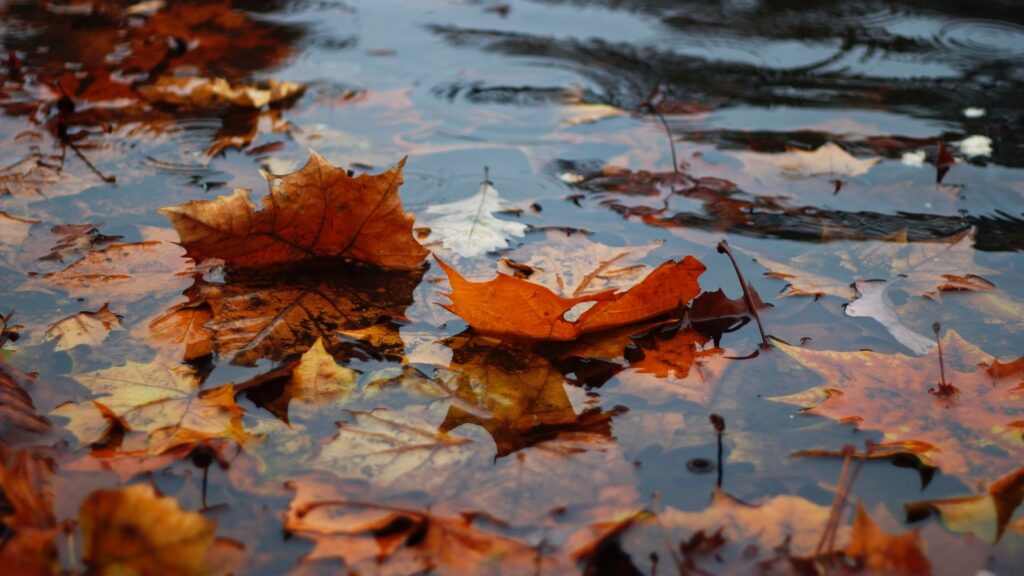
969	433
134	531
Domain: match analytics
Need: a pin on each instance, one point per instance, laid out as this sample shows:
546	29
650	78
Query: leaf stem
723	248
945	389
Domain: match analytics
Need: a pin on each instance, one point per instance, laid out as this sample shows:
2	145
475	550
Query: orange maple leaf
511	306
318	211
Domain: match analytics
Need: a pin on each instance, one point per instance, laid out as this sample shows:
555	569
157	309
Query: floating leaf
318	211
541	314
469	227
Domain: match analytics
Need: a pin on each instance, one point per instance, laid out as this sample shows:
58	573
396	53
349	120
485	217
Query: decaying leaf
540	314
17	412
180	331
878	552
393	540
132	530
517	396
729	536
209	92
159	398
275	314
969	432
985	515
921	268
872	302
89	328
124	273
26	515
318	211
674	365
317	384
469	227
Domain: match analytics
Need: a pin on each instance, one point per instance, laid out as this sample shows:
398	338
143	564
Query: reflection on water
805	132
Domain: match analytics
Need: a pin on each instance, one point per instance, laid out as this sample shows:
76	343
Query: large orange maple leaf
512	306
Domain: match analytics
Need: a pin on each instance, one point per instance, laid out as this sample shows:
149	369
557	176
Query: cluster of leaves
326	269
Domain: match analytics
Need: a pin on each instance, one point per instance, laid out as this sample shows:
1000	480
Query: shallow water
460	87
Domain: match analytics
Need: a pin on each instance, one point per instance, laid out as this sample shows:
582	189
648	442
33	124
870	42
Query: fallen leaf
727	536
881	553
986	515
30	529
922	268
395	451
282	313
540	313
125	273
159	398
967	434
13	232
872	302
514	394
317	384
393	540
89	328
209	92
827	159
469	227
180	331
673	365
17	411
132	530
572	265
317	211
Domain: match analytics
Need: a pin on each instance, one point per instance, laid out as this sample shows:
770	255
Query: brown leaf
729	536
159	398
392	540
89	328
134	531
882	553
540	314
282	313
124	273
318	211
17	412
30	529
211	92
180	331
517	396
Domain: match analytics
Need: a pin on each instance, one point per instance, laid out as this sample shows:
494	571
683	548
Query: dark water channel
577	109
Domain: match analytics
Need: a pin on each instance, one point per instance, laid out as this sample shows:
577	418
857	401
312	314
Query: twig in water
723	248
945	389
719	424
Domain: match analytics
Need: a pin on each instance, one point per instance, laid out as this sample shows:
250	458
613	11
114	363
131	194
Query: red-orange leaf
511	306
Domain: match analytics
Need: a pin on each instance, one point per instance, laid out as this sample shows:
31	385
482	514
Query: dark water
459	86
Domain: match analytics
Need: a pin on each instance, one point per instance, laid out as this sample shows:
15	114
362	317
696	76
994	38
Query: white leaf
469	227
872	302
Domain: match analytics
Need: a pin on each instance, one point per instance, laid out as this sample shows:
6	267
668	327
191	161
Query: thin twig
723	248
